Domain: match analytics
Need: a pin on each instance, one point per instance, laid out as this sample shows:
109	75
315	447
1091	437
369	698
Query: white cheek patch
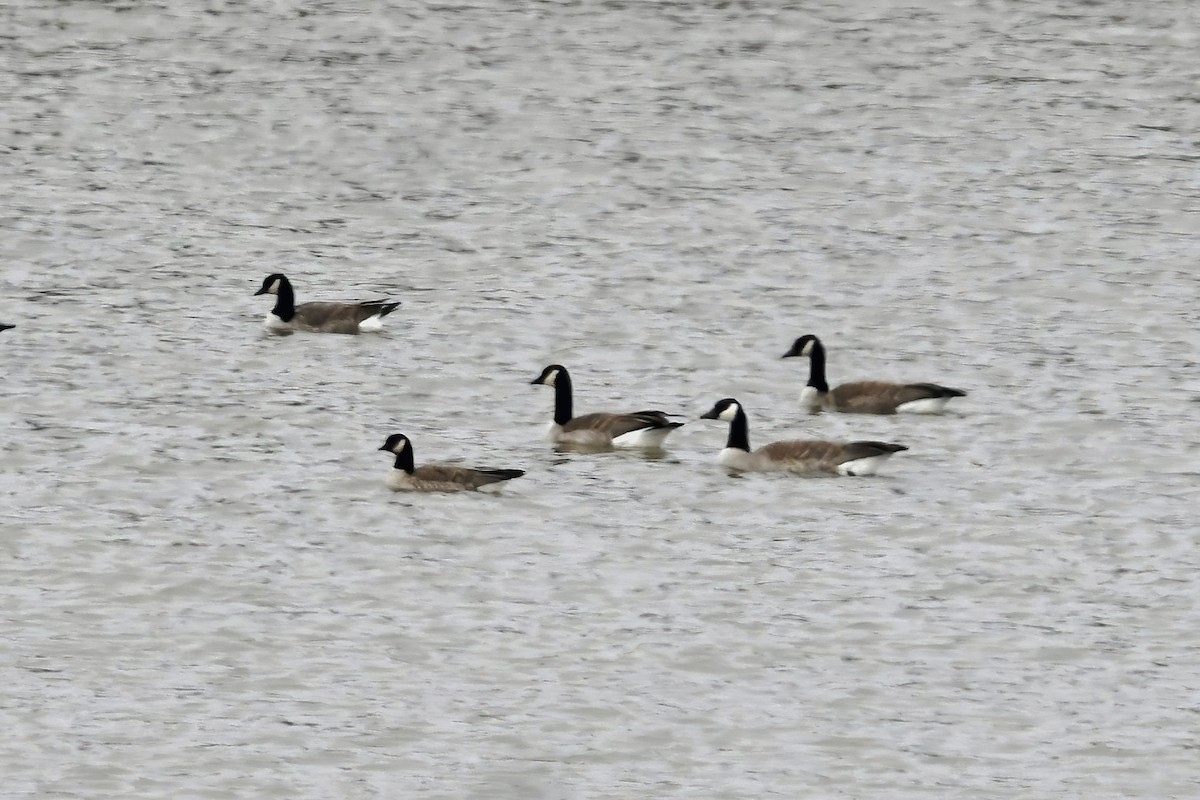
551	378
274	287
807	351
729	413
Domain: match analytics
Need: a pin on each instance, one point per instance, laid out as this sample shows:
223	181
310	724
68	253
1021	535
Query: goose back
882	397
448	478
328	317
816	456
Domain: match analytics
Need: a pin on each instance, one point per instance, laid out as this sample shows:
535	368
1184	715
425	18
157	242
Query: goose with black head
405	476
803	457
318	316
864	397
637	429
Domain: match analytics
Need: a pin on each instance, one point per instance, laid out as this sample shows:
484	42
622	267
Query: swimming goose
436	477
325	317
865	397
801	457
644	429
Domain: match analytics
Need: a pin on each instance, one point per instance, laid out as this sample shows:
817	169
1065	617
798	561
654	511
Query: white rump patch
928	405
646	437
863	466
371	324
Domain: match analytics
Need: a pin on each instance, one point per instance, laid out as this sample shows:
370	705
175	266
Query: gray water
207	590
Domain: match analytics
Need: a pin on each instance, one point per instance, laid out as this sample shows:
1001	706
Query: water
208	591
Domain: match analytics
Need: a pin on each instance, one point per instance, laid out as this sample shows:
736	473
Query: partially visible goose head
273	283
4	327
803	346
725	410
396	443
549	375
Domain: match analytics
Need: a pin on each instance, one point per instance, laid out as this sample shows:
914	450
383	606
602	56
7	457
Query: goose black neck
739	432
285	302
562	398
404	460
816	367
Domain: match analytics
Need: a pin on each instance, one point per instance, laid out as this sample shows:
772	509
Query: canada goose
645	429
802	457
4	327
436	477
865	397
325	317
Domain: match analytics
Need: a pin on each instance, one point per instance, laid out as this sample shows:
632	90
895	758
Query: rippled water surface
208	591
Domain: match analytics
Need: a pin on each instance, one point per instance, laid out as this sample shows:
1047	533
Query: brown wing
822	455
339	317
934	390
880	397
815	453
619	424
463	477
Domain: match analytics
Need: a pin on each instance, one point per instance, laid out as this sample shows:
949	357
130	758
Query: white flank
646	437
929	405
863	466
371	324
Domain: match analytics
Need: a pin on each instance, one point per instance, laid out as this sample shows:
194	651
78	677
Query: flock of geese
646	430
638	429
